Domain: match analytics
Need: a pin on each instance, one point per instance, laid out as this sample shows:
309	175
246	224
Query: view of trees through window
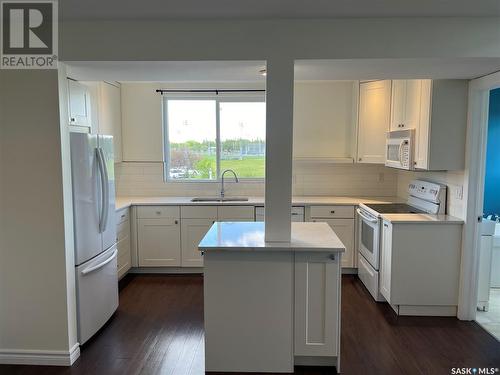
192	128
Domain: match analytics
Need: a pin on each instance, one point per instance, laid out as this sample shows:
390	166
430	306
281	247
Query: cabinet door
123	260
373	123
344	228
236	213
193	230
412	104
79	104
422	131
385	266
159	242
110	117
317	299
398	100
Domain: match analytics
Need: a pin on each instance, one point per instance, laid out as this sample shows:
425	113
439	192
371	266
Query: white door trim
477	129
40	357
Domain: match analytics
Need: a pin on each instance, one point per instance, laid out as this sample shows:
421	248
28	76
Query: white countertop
123	202
249	236
420	218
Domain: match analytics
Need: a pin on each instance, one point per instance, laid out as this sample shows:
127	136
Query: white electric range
423	197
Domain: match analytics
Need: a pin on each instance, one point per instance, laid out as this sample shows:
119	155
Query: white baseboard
167	270
40	357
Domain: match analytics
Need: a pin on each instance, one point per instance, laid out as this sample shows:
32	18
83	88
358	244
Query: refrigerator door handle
100	164
100	265
105	191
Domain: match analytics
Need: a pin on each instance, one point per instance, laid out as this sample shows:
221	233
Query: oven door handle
367	218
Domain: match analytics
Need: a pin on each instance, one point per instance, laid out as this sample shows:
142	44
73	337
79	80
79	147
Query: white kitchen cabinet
437	110
344	228
159	242
110	117
405	104
193	230
317	297
440	135
159	236
79	104
124	260
341	220
235	213
420	267
373	120
385	265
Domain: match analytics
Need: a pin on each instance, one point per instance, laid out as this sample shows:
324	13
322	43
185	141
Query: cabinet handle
176	222
314	221
332	256
332	211
158	212
123	216
72	119
360	159
386	225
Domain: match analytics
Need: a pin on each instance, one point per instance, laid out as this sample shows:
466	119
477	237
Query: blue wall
492	180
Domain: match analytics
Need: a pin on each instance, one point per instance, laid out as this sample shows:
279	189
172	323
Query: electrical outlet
459	192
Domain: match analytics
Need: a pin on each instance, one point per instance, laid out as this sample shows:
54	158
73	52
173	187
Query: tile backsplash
146	179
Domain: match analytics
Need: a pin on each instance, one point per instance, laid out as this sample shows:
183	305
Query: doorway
488	293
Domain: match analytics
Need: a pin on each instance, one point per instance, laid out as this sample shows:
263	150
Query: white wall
324	118
37	295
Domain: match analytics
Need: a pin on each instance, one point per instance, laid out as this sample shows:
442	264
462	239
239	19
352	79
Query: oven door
369	235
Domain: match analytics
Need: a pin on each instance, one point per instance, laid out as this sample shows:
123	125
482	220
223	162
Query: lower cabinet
124	261
385	263
317	297
159	242
344	228
193	230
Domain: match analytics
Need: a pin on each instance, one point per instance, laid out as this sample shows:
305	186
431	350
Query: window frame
253	97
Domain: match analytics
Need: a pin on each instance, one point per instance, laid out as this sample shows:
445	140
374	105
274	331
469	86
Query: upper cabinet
79	104
405	104
110	116
437	110
373	120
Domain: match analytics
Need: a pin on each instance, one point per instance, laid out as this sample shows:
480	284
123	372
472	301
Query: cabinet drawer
154	212
339	212
228	213
123	230
199	212
122	215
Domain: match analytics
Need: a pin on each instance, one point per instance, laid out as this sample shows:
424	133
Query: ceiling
248	71
186	9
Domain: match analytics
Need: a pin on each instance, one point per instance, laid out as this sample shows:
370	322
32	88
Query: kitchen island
271	305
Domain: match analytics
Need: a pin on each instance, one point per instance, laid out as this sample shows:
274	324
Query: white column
279	138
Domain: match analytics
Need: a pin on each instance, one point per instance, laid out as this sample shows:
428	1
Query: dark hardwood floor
158	329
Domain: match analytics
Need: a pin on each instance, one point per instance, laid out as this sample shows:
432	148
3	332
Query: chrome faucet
222	190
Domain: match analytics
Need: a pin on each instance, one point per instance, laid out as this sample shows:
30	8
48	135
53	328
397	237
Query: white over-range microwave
399	149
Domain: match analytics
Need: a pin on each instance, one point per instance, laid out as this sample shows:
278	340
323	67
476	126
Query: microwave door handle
364	217
401	152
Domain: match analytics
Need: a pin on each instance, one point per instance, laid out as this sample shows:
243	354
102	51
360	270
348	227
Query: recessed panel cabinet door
193	230
159	242
373	121
79	103
317	299
386	263
344	228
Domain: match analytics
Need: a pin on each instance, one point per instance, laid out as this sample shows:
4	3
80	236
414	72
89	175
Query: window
204	135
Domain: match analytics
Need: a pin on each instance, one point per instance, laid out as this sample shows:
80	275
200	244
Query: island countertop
249	236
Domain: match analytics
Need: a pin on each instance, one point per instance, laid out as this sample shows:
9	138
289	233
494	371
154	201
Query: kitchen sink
219	199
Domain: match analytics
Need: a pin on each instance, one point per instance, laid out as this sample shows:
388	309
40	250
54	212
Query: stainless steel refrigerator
92	169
